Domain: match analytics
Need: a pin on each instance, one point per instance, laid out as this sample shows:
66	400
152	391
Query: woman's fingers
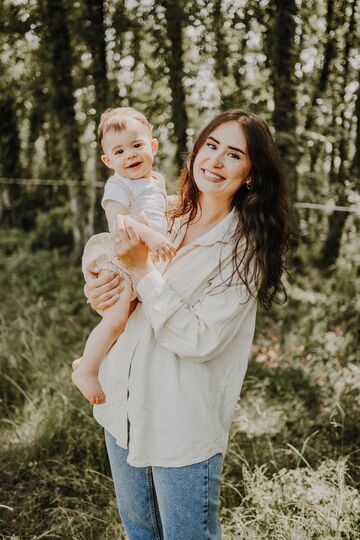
126	231
132	235
106	299
95	290
168	251
92	271
104	305
99	278
106	296
119	235
163	254
143	219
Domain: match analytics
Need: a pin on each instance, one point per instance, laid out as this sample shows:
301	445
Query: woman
174	376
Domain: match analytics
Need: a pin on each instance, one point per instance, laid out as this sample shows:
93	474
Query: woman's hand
130	249
102	287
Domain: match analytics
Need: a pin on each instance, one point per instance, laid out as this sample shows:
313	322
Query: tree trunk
95	38
329	55
174	17
57	40
237	100
285	88
221	50
222	53
337	220
9	158
355	165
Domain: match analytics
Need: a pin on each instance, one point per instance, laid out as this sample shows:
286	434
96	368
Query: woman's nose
216	160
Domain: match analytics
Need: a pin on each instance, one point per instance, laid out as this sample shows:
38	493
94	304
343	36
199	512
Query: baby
135	189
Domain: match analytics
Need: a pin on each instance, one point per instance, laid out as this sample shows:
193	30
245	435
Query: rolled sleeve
199	331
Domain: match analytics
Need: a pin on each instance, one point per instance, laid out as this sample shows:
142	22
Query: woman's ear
106	160
154	145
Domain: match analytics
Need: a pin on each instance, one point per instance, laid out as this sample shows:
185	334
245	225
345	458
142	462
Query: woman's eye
211	146
234	156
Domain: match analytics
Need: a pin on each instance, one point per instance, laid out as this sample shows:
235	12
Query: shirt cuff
150	286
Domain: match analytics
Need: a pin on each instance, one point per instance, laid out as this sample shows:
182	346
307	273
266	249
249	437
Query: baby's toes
99	399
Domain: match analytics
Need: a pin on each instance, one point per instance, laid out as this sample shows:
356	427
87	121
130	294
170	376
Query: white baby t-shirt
150	195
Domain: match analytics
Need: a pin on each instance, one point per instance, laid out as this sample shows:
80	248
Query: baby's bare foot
89	386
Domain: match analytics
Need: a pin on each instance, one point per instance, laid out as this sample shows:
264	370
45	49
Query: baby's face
131	151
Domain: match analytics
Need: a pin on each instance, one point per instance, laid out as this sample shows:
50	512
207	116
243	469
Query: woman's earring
248	185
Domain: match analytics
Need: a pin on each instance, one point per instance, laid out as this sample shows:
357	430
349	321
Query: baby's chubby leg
102	337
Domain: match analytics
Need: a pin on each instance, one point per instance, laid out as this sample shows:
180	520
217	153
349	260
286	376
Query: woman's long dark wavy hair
265	217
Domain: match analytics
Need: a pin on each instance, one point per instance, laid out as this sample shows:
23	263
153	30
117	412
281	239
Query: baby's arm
159	245
113	209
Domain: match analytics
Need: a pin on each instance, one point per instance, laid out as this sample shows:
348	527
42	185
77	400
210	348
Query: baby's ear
154	145
105	160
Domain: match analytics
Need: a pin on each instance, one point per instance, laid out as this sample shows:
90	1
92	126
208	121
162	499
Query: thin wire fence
25	182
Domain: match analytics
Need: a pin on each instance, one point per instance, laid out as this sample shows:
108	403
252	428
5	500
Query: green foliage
53	229
292	469
297	504
53	465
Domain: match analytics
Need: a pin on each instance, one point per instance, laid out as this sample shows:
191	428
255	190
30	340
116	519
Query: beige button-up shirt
173	378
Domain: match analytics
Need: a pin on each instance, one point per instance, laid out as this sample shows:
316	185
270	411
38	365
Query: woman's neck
211	210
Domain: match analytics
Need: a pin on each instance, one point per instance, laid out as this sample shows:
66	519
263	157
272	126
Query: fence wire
326	207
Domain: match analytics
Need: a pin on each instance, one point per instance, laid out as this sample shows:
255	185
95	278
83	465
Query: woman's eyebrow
231	147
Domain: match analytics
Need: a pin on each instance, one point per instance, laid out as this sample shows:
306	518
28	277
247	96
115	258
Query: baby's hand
161	248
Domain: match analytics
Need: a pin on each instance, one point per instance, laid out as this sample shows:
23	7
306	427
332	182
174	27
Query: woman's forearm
199	331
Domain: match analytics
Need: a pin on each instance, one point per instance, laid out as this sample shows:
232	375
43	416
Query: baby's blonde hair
115	120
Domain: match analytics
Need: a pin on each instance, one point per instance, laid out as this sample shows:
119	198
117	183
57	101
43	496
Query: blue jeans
167	503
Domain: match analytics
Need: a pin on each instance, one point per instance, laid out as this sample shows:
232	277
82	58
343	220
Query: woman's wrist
139	272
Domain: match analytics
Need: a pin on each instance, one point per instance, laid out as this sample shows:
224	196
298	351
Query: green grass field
292	469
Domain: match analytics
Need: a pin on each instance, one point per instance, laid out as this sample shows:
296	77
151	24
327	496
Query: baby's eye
118	152
137	145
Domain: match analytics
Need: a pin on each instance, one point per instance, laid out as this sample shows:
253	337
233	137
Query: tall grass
292	469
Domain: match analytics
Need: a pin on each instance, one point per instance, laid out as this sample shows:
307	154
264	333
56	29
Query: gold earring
248	185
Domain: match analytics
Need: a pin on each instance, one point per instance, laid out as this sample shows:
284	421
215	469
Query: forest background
292	470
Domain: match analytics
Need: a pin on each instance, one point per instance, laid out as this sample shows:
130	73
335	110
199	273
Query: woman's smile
211	176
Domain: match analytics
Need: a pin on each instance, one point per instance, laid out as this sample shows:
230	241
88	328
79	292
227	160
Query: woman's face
222	164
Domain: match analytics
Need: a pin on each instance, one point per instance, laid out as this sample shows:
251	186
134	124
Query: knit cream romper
100	247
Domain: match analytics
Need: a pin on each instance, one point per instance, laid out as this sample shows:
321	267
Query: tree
56	39
10	166
282	63
337	220
320	86
94	34
174	56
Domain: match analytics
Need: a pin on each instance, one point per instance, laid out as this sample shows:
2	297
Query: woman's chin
206	186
